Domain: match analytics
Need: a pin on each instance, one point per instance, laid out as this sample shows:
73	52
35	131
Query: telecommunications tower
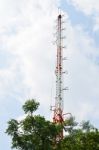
58	116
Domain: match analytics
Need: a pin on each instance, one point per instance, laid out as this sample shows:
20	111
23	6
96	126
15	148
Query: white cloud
96	23
89	8
27	34
81	99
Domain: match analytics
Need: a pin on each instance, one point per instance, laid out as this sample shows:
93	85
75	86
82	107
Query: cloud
26	39
27	33
89	8
82	98
26	55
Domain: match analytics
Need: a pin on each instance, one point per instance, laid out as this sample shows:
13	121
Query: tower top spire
59	11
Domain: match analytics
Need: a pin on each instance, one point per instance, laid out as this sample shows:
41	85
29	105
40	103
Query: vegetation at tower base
85	137
34	132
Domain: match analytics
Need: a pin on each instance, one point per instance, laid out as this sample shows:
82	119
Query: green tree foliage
33	132
30	106
36	133
82	137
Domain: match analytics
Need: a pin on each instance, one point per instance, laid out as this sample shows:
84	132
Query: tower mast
58	111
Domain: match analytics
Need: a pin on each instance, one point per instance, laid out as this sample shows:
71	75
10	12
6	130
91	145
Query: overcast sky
27	58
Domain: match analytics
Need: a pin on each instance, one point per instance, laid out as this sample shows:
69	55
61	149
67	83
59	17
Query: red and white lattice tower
58	117
58	111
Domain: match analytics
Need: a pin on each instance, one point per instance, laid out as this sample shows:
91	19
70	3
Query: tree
36	133
82	137
33	132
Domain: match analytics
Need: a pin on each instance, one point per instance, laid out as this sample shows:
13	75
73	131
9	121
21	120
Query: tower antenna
58	116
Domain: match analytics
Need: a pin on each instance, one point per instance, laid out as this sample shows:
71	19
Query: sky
28	56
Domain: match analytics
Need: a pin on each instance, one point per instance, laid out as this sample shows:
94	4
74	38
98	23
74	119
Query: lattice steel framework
58	111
